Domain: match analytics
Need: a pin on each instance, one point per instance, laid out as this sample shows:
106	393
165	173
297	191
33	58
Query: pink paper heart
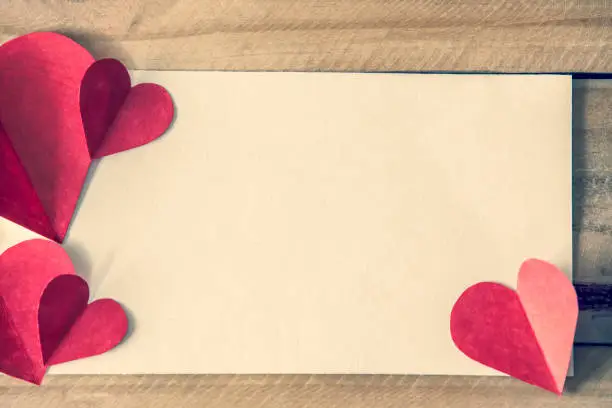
527	333
117	117
44	315
43	140
58	109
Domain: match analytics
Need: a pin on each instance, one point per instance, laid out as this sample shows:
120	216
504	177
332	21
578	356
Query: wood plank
592	387
346	35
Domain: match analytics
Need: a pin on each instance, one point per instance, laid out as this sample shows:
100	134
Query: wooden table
357	35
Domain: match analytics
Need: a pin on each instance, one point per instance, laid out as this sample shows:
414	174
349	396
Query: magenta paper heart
56	106
119	117
70	328
45	318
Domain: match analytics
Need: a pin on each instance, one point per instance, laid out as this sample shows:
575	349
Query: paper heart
40	78
44	315
45	81
527	333
118	117
71	329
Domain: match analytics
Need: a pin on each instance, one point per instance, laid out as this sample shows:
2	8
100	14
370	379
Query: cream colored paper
322	222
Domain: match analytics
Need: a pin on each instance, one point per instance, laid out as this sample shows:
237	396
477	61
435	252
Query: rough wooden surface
358	35
537	35
592	387
592	203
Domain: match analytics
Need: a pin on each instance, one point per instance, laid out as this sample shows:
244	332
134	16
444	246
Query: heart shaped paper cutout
46	80
44	315
117	117
71	329
40	78
528	333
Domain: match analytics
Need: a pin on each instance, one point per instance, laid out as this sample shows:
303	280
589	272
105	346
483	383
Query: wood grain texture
592	204
592	387
348	35
358	35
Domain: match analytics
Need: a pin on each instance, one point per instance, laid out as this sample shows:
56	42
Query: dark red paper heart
117	117
70	329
